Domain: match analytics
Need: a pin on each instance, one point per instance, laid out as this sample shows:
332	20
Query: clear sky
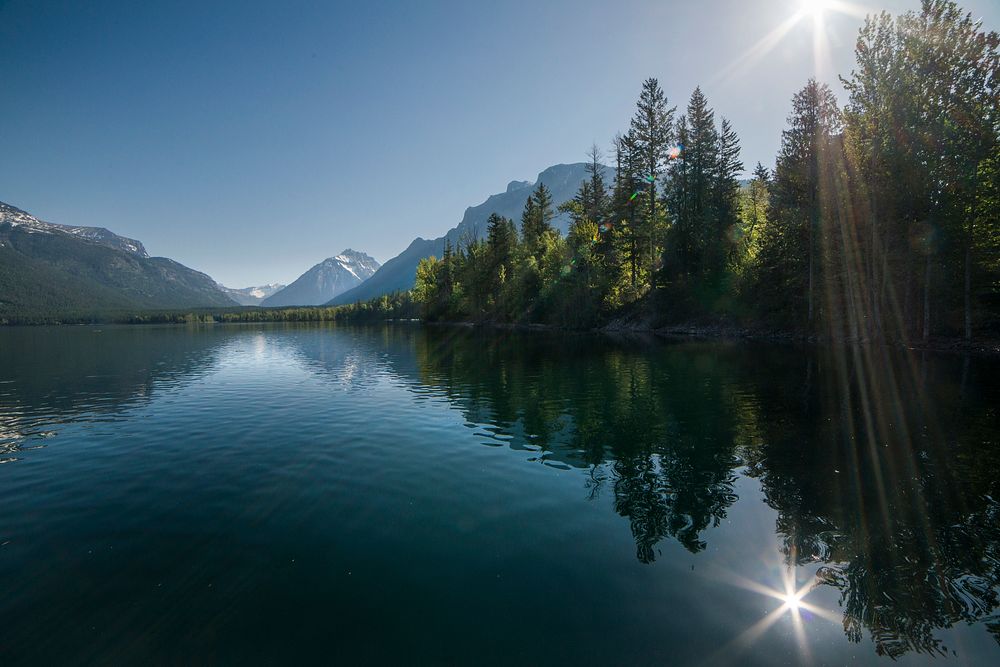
251	139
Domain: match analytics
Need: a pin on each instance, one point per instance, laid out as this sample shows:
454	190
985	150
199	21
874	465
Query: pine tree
536	220
677	197
789	249
501	246
651	134
544	207
701	154
726	189
596	206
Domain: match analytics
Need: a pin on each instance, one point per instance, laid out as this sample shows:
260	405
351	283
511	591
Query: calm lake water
402	495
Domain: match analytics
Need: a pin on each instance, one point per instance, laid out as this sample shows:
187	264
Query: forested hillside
46	274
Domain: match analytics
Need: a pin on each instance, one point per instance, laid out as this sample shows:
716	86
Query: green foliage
536	221
875	216
46	274
395	306
787	265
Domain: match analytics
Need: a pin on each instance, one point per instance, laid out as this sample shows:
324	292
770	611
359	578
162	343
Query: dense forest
395	306
878	221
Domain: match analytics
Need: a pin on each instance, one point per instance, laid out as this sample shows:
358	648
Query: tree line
878	220
397	305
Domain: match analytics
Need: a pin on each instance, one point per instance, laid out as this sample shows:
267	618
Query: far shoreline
615	328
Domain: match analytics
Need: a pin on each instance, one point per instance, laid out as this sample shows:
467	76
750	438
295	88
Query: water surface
400	494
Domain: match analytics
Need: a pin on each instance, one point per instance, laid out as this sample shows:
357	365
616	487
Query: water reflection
889	477
881	469
882	466
653	424
53	375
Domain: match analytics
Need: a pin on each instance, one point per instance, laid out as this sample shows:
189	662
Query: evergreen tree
651	135
536	220
501	248
788	250
959	66
726	191
596	205
680	239
544	206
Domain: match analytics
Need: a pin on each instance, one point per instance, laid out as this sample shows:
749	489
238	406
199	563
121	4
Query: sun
814	7
793	600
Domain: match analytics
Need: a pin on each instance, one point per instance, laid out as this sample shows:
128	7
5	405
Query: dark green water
402	495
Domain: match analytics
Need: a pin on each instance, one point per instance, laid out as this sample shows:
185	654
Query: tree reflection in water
881	466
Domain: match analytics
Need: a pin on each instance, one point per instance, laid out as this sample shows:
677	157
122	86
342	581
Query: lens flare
793	600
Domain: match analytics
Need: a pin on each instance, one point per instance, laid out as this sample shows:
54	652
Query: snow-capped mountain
326	280
49	270
251	296
18	218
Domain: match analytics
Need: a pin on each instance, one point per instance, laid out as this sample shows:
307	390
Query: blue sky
251	140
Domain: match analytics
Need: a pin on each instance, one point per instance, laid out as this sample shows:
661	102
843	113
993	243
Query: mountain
326	280
399	273
251	296
47	269
16	217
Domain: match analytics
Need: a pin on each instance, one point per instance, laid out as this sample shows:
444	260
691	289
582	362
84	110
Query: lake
407	494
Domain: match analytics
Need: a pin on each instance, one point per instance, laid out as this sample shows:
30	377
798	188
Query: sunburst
816	10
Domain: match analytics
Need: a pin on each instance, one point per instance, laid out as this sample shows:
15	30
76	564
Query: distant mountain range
251	296
54	269
46	268
325	281
399	273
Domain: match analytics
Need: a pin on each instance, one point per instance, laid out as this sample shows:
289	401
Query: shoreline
621	327
717	332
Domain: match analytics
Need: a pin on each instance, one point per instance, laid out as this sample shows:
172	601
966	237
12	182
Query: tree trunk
812	231
968	259
873	324
809	297
927	300
633	251
968	290
652	217
907	324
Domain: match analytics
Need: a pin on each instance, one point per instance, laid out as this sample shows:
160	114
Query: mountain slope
399	273
326	280
16	217
49	269
251	296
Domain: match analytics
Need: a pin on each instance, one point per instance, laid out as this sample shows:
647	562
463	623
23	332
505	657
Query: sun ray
849	8
814	9
793	603
760	49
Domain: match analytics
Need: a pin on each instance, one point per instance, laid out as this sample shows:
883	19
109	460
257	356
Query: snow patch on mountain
251	296
326	280
15	217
